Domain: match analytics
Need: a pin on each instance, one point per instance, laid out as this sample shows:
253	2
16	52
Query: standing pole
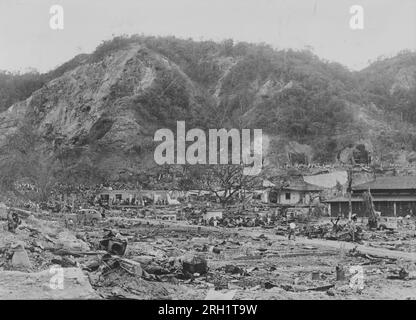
349	190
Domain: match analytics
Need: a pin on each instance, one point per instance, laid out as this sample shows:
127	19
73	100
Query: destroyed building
177	168
111	196
392	196
136	197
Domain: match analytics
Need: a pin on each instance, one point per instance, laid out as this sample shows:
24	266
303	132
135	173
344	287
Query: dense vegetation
302	97
391	85
18	86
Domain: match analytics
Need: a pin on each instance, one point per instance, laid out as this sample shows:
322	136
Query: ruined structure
392	196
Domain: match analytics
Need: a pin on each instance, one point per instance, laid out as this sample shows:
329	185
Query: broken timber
376	252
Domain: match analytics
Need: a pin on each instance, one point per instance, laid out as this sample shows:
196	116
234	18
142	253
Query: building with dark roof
293	193
392	196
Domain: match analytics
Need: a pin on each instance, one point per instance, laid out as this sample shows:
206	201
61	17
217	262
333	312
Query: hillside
95	116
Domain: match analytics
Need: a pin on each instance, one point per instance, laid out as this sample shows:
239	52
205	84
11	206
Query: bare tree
226	182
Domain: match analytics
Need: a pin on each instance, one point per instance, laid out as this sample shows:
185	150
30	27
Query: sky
27	40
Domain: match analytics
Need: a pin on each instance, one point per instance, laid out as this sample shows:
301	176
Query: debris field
123	257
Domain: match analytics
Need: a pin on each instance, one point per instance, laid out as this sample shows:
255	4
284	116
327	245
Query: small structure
135	197
392	196
293	193
157	196
120	196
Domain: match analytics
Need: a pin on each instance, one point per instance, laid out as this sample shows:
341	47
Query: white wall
295	197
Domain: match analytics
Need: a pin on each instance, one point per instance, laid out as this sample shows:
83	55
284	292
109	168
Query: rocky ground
175	260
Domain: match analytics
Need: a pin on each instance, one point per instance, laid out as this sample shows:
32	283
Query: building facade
392	196
294	193
136	197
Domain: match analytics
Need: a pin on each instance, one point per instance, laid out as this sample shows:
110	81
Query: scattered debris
130	257
340	273
13	221
194	264
114	243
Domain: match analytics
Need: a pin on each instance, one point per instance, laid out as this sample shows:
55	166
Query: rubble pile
125	257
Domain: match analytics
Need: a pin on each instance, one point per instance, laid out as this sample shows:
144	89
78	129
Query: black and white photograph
226	152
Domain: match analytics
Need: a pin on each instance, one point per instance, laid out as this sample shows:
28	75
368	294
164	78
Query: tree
226	182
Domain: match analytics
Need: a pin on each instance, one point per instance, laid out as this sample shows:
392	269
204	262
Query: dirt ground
241	263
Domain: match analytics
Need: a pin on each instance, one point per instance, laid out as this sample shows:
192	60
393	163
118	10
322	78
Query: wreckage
145	258
196	247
